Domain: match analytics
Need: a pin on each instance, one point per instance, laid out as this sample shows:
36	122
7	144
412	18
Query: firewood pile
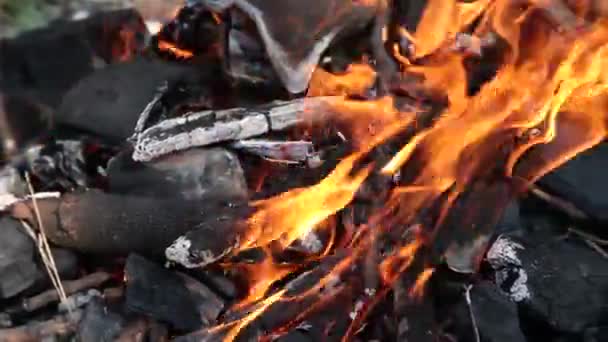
324	170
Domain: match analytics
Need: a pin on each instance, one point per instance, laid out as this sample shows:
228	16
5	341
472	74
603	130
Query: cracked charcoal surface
163	294
560	282
582	181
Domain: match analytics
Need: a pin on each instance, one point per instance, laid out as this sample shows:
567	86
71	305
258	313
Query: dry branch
213	126
45	298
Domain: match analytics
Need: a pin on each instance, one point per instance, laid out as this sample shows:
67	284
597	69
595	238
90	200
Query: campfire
330	170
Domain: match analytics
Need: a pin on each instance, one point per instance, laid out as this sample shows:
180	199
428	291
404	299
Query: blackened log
210	241
97	222
197	174
108	102
169	296
213	126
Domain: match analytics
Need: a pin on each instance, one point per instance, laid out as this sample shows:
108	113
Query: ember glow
545	104
164	45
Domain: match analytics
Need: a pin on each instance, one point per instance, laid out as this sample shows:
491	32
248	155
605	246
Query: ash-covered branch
213	126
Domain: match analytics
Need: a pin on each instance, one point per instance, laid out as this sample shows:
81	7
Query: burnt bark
97	222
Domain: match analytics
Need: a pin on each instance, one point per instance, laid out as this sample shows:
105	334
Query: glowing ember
177	52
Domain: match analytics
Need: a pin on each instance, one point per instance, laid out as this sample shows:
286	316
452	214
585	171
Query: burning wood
332	170
210	127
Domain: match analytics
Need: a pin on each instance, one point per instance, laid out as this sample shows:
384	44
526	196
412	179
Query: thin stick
559	203
45	298
467	296
45	249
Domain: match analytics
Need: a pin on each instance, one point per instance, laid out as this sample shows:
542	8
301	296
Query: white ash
358	307
504	259
179	252
78	300
311	242
370	292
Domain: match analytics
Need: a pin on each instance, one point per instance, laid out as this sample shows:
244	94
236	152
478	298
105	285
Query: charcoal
18	270
197	174
168	296
294	44
210	241
536	272
495	314
75	43
99	323
96	222
56	165
109	101
581	182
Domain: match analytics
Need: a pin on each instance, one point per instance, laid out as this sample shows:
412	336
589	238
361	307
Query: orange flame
164	45
546	103
417	291
292	215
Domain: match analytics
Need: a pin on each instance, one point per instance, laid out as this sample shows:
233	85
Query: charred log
97	222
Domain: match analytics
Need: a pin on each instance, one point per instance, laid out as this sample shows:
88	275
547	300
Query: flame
234	332
356	80
291	215
261	277
164	45
417	291
546	103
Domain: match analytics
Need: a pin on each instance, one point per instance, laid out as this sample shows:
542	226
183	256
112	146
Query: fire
417	291
164	45
357	79
294	214
546	103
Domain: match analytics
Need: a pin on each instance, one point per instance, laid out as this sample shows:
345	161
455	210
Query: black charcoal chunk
582	181
195	174
39	66
561	282
496	314
99	323
170	297
109	101
18	269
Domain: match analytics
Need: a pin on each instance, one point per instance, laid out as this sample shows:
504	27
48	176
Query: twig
559	203
41	300
591	240
467	296
588	236
37	331
44	248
